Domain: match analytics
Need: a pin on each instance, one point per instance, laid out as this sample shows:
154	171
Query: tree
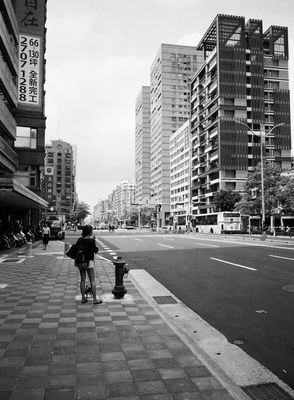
225	200
278	192
82	211
285	194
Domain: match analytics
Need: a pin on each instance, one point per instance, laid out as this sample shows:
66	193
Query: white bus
219	222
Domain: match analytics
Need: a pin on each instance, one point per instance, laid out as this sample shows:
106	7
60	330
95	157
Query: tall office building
124	196
60	178
180	176
22	48
142	146
244	78
171	71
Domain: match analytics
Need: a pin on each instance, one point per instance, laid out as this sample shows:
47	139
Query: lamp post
262	136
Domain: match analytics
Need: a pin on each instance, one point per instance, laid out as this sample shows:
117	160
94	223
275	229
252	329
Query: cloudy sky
99	54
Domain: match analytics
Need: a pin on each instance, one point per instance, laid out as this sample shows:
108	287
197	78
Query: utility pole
262	136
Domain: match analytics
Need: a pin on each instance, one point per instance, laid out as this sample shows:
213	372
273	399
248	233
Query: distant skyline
99	54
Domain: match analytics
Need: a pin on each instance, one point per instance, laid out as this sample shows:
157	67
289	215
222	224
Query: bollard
29	249
120	270
66	248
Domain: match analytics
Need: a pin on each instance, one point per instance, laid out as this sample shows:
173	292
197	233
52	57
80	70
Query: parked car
57	230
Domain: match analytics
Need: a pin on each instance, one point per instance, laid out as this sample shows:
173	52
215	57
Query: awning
15	195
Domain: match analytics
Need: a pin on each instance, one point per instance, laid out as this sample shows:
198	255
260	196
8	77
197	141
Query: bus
219	222
181	222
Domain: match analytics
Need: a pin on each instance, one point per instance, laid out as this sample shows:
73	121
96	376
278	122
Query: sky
99	54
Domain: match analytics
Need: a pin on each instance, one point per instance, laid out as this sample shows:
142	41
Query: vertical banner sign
29	85
31	17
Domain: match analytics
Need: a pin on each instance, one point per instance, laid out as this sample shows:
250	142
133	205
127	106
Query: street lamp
262	136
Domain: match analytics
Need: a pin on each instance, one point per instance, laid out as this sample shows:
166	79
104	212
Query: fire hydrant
120	270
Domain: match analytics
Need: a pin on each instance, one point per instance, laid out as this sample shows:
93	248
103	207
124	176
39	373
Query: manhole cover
288	288
10	260
268	391
164	299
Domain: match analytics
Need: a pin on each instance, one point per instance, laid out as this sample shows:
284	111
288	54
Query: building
244	78
22	120
123	198
171	71
142	146
180	176
60	178
102	212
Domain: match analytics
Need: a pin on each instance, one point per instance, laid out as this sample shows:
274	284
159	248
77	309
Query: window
26	137
33	176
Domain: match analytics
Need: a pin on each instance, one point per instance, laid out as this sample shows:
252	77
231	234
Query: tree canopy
278	192
80	212
225	200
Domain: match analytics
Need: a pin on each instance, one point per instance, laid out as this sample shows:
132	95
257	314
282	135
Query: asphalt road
236	285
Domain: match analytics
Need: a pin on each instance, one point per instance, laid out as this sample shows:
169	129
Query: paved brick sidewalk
52	347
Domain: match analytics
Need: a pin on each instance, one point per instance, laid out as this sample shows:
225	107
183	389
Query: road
237	286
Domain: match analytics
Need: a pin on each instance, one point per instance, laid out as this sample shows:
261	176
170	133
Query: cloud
191	39
96	112
177	3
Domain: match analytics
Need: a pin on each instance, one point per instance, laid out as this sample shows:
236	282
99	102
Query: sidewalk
52	347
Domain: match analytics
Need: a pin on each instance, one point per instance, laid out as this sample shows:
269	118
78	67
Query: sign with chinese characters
31	15
29	83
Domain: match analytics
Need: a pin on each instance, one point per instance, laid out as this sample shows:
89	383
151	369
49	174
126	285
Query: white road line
239	242
168	239
20	261
204	244
105	259
237	265
139	240
164	245
284	258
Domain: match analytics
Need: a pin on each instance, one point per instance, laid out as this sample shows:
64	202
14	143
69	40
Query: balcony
8	156
6	78
12	17
6	120
11	51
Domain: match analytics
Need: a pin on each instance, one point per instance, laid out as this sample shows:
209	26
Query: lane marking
3	285
284	258
164	245
238	242
139	240
204	244
105	259
236	265
168	239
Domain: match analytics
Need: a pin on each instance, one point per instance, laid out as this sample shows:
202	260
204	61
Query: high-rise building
142	146
180	177
22	120
60	178
244	78
123	198
171	71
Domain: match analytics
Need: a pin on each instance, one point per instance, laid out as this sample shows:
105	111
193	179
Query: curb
232	366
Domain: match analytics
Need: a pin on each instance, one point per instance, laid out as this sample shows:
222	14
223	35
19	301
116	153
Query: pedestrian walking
45	235
85	250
